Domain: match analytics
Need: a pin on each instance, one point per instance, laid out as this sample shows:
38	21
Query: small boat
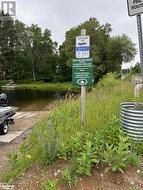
6	114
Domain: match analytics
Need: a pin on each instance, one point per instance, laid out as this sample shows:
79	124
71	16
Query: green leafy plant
19	168
137	148
50	185
117	156
86	158
61	135
12	159
134	159
109	80
69	176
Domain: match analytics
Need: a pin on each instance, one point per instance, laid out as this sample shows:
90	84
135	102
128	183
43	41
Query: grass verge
67	86
3	82
62	136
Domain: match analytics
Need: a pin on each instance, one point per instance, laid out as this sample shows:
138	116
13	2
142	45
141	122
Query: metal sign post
83	96
139	25
135	7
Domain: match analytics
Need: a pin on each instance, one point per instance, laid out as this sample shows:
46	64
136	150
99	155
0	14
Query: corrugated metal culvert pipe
132	119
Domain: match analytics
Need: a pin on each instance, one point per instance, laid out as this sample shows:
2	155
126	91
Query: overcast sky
60	15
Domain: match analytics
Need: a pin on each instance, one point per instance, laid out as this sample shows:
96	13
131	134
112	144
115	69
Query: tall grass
3	82
62	135
103	103
66	86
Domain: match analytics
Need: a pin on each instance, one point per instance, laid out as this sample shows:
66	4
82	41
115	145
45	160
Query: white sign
82	47
135	7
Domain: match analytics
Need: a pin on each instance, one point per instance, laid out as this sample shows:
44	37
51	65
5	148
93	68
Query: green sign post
82	72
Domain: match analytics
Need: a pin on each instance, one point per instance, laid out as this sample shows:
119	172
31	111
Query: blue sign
83	48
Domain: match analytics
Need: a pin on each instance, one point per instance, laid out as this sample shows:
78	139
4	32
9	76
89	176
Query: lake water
32	100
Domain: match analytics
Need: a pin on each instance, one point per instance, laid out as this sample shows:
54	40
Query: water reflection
32	100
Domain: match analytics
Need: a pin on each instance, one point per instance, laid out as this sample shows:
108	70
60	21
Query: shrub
108	81
61	135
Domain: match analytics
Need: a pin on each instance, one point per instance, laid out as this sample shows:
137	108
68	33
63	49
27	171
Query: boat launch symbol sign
82	47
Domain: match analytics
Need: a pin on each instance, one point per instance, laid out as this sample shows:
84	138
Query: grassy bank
67	86
3	82
61	136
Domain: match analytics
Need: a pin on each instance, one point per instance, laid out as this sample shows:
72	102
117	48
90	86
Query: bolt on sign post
135	7
82	70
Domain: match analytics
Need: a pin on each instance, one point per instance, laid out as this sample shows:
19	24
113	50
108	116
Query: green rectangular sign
82	72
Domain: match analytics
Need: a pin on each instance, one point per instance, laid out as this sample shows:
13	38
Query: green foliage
42	145
50	185
3	82
116	156
61	135
119	49
134	159
69	176
107	52
108	81
86	158
66	86
12	159
18	168
134	188
28	53
136	69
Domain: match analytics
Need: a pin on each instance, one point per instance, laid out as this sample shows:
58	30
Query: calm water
32	100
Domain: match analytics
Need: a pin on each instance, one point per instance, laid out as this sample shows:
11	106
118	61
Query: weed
20	167
86	158
69	176
12	159
134	160
137	148
116	156
49	86
61	135
133	188
50	185
108	81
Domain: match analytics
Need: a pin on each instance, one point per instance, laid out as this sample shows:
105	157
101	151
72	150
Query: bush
109	80
61	135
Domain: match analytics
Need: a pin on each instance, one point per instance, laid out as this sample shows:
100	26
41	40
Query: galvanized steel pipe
132	119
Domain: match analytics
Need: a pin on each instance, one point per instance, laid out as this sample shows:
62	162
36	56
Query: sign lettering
135	7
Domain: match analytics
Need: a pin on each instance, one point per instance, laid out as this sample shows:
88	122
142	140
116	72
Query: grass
66	86
61	135
3	82
50	185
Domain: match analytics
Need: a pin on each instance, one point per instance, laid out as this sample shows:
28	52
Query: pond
32	100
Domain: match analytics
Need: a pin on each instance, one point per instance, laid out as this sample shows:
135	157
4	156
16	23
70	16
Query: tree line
29	53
